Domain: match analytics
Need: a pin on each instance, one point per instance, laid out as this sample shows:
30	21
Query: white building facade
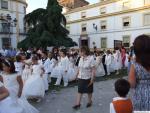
12	26
109	23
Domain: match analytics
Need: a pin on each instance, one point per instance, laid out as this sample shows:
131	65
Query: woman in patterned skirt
139	76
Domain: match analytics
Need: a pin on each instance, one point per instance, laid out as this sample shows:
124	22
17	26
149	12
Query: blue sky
34	4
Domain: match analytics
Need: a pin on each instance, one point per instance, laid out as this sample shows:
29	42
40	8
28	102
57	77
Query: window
103	42
84	27
126	5
126	22
83	14
146	2
4	27
6	42
126	41
103	10
4	4
147	19
103	25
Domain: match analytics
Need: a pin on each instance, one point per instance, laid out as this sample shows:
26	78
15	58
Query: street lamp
95	26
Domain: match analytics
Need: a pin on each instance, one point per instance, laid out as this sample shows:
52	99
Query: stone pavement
63	100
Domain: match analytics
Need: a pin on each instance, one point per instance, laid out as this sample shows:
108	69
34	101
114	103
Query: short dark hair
86	50
122	87
64	51
142	50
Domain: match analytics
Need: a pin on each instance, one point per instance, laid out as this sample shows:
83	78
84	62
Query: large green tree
47	28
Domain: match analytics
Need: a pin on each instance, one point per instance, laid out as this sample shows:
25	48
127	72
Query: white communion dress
99	67
26	73
7	106
117	60
63	66
72	70
56	72
34	86
14	104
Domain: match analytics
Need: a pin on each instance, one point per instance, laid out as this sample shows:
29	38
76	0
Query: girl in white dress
112	67
6	103
56	68
117	60
108	61
13	82
99	66
52	64
72	71
34	86
27	70
18	65
63	68
127	60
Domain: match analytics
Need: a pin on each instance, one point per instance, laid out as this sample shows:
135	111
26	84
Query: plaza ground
62	101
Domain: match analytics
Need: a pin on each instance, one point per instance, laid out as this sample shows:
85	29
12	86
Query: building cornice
21	1
109	14
90	6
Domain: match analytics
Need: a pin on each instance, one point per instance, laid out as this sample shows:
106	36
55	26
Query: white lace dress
34	86
26	73
16	105
99	67
7	106
56	72
117	60
72	70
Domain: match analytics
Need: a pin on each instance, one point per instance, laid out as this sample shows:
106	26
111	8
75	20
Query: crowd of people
27	74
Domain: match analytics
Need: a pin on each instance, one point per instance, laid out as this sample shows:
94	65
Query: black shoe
89	105
76	107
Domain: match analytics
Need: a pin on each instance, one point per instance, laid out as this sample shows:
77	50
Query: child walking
34	86
121	104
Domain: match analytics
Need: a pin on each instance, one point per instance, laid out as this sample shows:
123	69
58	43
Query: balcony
22	32
6	31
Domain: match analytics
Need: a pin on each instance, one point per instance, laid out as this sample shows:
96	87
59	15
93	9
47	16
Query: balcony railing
6	30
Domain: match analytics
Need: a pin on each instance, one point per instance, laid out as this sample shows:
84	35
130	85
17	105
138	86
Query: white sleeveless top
11	83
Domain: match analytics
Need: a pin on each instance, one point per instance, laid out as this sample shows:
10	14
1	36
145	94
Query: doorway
84	42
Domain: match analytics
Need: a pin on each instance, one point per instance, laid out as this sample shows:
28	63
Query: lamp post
95	26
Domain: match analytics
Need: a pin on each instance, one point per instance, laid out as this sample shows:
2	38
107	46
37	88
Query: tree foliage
47	28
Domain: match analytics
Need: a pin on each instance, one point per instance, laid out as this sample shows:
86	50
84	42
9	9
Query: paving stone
63	100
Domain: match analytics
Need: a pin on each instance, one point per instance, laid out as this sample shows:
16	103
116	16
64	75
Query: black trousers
105	68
